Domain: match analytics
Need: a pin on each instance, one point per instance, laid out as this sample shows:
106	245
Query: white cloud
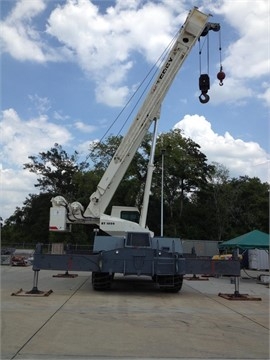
42	104
234	91
103	43
59	116
23	138
246	58
265	95
17	42
20	139
240	157
22	40
108	90
83	148
15	187
110	95
84	127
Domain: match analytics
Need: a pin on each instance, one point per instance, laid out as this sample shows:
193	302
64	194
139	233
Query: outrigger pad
34	293
65	275
241	297
197	278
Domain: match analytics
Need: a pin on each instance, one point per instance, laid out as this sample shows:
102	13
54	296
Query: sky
69	67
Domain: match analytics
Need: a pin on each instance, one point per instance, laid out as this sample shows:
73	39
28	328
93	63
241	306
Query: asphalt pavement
134	320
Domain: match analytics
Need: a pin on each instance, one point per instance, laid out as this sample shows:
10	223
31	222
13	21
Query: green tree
210	205
226	208
55	170
186	167
251	205
30	223
185	170
57	175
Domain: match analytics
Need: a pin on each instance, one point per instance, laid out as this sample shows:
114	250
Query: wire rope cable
154	69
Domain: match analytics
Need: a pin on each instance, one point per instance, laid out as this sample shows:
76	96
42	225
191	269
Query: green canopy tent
253	240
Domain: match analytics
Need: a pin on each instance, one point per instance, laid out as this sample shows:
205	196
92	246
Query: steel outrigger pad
34	292
237	296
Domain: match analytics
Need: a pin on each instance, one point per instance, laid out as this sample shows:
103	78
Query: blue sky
68	67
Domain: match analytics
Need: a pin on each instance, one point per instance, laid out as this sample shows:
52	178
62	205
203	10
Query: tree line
200	200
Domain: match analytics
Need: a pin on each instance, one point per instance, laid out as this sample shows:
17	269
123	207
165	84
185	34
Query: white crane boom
189	33
196	25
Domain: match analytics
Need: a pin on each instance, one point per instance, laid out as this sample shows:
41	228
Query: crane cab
129	213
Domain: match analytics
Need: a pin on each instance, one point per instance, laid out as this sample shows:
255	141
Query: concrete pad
133	320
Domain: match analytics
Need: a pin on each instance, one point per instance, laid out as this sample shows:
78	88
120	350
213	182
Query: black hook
204	98
204	85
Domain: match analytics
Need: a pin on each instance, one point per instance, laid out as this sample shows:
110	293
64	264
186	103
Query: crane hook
221	76
204	85
204	98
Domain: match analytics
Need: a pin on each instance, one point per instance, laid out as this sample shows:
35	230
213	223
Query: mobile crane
130	247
